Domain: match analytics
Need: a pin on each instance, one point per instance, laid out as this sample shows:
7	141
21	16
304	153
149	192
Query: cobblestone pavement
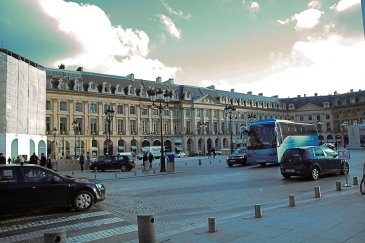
93	226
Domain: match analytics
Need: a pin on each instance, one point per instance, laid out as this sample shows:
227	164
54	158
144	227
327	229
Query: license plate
289	170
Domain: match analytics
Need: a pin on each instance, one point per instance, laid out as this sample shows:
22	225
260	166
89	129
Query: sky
275	47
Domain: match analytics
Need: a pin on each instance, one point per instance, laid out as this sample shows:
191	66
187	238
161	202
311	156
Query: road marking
40	233
101	234
47	221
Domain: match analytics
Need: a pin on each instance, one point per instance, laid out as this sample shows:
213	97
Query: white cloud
170	26
174	12
314	4
316	66
307	19
343	5
104	48
254	7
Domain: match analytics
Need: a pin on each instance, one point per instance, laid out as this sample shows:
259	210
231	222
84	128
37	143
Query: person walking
43	160
2	159
33	159
49	162
144	161
150	159
82	161
88	161
213	152
9	160
209	153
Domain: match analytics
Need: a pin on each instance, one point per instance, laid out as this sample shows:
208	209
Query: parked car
312	162
181	155
329	145
28	186
237	157
114	162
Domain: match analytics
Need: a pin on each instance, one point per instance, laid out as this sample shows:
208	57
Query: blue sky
274	47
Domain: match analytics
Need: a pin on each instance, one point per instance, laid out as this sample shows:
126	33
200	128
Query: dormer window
291	106
326	104
62	85
131	90
78	86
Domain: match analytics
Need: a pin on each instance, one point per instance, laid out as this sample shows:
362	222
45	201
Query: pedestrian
336	145
81	161
9	160
33	159
213	152
2	159
144	160
150	159
88	160
49	162
43	160
209	153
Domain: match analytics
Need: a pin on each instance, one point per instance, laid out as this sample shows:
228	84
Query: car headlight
100	186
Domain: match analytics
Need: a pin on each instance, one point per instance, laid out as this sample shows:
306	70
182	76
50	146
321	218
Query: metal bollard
146	228
95	176
291	200
258	212
338	186
200	162
54	236
355	181
211	225
72	173
210	162
154	171
135	173
317	191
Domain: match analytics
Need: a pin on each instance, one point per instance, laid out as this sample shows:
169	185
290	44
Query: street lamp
109	114
343	125
161	98
75	126
319	128
230	113
54	132
203	125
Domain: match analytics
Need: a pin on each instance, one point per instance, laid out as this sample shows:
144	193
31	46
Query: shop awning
133	147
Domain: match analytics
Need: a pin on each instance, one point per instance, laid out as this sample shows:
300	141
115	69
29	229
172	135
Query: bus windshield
261	136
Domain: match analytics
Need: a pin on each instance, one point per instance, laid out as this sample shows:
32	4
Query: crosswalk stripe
101	234
50	221
40	233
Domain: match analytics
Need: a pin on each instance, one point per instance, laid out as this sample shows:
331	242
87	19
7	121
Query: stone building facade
195	120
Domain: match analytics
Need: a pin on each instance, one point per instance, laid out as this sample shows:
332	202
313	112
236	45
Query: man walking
33	159
82	161
2	159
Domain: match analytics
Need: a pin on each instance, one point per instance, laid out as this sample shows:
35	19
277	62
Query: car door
12	190
44	187
320	158
334	162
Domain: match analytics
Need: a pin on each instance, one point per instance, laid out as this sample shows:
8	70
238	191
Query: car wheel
345	169
314	173
286	176
230	165
83	200
263	164
123	168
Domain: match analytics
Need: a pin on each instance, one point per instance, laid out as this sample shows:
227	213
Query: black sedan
237	157
312	161
27	187
114	162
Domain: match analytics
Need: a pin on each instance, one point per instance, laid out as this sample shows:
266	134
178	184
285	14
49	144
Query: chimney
80	69
131	76
276	96
351	90
298	96
261	94
158	80
249	92
315	94
171	80
305	95
211	87
232	90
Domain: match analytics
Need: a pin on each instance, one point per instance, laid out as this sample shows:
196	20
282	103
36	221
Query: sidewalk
338	216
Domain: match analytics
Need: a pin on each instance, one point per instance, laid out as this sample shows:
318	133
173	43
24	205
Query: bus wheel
263	164
286	176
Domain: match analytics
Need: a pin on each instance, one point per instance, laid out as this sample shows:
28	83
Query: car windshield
239	151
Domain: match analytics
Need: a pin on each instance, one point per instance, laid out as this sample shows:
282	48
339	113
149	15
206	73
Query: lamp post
76	128
109	114
230	113
343	125
319	128
160	100
203	125
54	132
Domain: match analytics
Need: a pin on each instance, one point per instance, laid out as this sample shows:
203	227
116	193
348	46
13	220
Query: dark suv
26	187
312	161
237	157
114	162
